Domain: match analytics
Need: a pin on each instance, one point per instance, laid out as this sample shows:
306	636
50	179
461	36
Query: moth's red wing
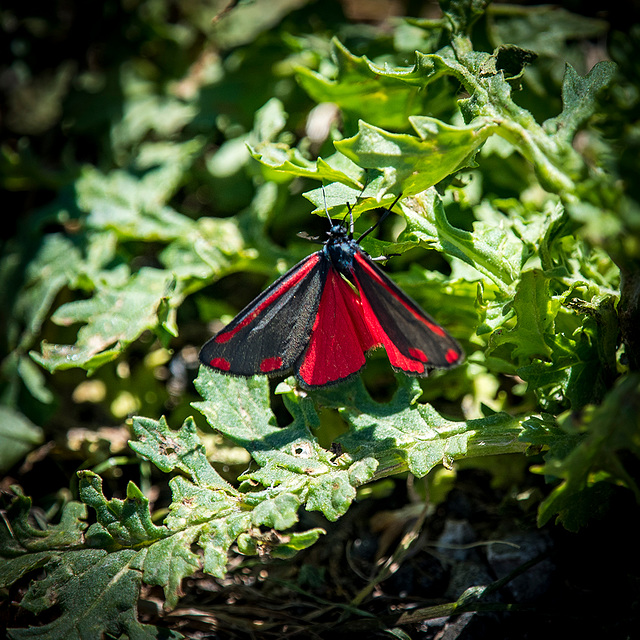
339	337
413	340
271	333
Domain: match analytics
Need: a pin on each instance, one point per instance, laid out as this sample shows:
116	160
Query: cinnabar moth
321	317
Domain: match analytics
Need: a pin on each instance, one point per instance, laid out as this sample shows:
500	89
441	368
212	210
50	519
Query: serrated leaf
364	90
535	311
579	371
166	562
412	164
492	249
332	493
608	429
135	206
114	317
12	569
279	512
207	251
217	536
170	450
192	504
57	263
545	29
163	224
292	464
18	535
342	200
282	158
403	435
508	60
462	14
97	594
239	409
579	95
120	523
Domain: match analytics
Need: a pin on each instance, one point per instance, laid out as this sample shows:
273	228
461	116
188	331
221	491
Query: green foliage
513	206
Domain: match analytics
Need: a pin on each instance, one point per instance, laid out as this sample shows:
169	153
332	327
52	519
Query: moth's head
338	231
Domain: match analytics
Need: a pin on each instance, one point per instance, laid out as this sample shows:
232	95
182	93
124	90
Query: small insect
320	318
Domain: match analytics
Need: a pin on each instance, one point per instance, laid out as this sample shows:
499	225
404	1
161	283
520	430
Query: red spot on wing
418	354
452	356
220	363
225	336
372	273
270	364
339	337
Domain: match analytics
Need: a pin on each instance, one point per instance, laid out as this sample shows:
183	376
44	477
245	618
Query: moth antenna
383	217
350	220
326	209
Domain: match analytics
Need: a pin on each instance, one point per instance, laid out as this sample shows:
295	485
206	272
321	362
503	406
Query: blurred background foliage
115	108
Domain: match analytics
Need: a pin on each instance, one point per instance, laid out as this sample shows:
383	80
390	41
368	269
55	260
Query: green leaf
193	504
204	511
363	90
97	594
22	537
461	14
120	523
607	432
239	409
216	538
333	493
290	544
412	164
403	435
176	450
535	311
18	436
579	96
57	263
508	60
114	317
492	249
293	466
24	547
279	512
166	562
123	201
583	360
545	29
280	157
236	406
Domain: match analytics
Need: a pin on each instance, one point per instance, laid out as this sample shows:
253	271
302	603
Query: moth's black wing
272	332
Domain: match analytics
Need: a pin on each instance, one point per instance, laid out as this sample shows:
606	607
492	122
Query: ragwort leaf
282	158
114	317
97	593
607	432
492	249
412	164
179	450
363	90
120	523
536	311
579	95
